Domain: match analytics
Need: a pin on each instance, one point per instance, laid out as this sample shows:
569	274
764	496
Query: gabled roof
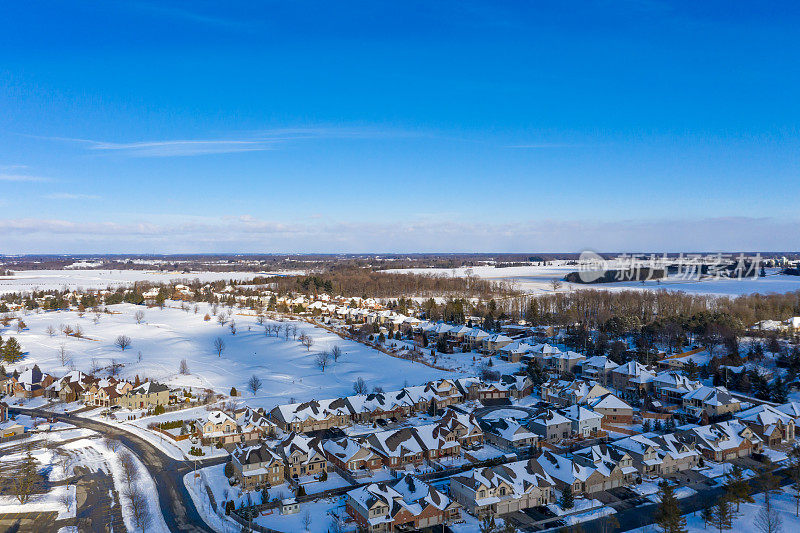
149	387
608	401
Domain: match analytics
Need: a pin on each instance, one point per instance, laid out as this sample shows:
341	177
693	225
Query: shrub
228	469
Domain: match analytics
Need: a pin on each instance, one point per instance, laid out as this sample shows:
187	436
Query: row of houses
519	485
300	455
317	415
108	392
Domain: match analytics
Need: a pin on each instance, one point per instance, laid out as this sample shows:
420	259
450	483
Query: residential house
597	368
585	422
312	415
148	395
351	454
405	505
302	456
502	489
565	393
508	433
550	425
771	424
724	441
612	408
632	379
671	386
712	401
617	463
582	479
257	466
492	344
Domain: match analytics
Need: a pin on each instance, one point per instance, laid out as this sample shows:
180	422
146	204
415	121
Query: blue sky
407	126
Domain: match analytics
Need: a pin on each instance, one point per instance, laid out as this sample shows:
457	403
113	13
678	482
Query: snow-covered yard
717	471
783	502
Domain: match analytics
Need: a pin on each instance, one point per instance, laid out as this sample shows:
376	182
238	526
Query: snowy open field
538	279
286	368
28	280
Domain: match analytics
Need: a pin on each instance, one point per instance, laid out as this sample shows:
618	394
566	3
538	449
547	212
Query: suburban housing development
532	425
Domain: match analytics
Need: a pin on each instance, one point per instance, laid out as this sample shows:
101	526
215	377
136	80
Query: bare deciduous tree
184	367
63	356
254	384
78	331
307	341
130	471
768	520
232	327
222	318
336	352
360	386
65	499
114	368
139	316
51	331
122	342
139	357
323	359
112	444
138	506
306	520
95	367
219	346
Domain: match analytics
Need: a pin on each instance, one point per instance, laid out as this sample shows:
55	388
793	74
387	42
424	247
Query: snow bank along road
179	511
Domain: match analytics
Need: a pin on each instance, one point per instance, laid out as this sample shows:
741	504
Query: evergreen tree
646	425
432	410
737	490
567	499
722	518
691	369
707	514
12	351
488	525
780	392
668	516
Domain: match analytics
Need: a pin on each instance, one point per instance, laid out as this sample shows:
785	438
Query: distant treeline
372	284
612	276
595	307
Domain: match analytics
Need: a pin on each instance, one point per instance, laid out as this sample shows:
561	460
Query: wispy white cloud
22	178
254	141
249	234
71	196
536	146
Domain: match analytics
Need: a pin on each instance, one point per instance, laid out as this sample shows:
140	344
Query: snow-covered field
538	279
166	336
28	280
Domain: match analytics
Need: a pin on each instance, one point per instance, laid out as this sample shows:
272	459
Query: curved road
176	504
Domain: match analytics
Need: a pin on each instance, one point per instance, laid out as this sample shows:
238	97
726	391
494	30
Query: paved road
177	506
